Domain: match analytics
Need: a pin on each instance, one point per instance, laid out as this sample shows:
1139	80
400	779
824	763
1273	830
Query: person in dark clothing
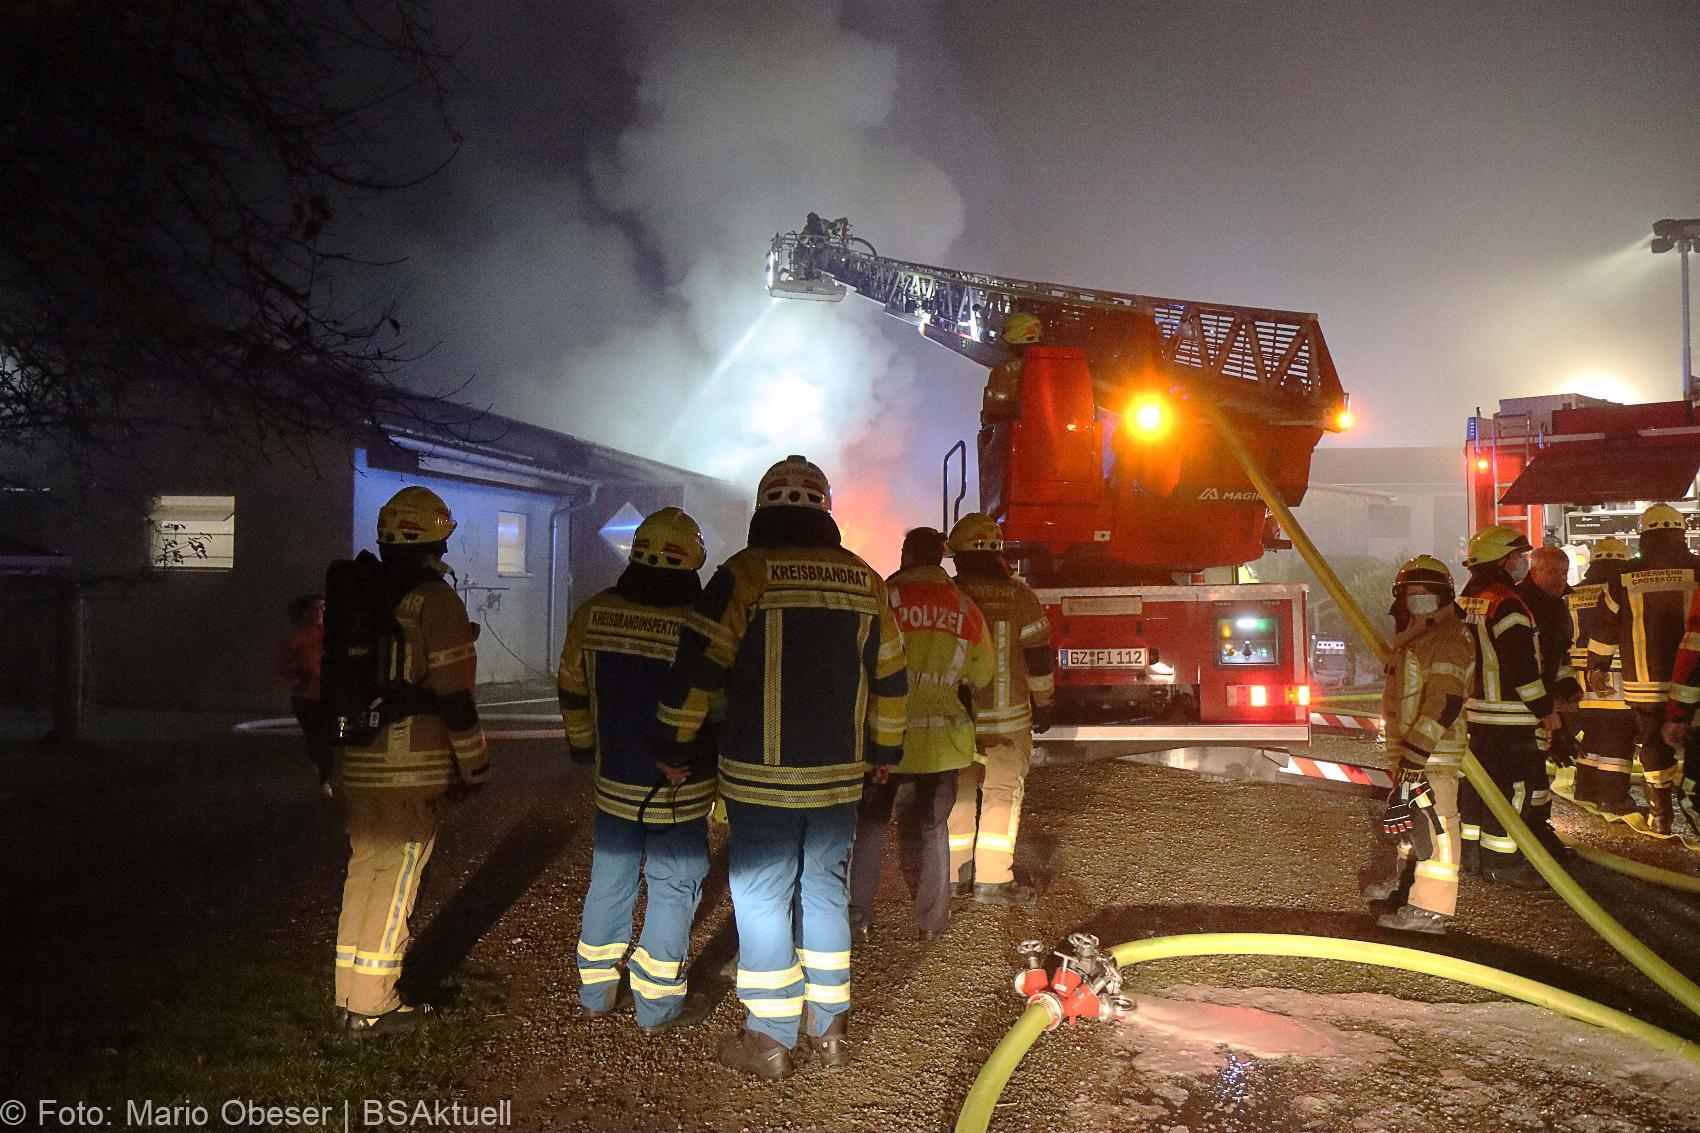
300	660
1544	592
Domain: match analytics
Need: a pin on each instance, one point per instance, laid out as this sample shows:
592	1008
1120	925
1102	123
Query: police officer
948	650
1605	725
799	635
1509	700
620	647
1640	619
1422	704
394	786
1015	704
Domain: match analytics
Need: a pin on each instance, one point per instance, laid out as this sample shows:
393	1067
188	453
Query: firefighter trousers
1511	755
1607	732
390	833
788	871
987	814
673	861
935	796
1434	882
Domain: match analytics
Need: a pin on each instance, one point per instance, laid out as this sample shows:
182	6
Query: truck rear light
1299	695
1262	696
1258	696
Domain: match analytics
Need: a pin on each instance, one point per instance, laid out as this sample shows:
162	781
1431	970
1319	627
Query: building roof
1430	467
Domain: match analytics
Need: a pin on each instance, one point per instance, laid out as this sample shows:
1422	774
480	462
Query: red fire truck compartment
1164	662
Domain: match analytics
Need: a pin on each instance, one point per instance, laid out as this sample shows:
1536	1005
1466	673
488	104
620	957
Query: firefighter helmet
976	531
415	515
1021	328
1424	570
1610	548
669	539
1662	517
1491	544
794	482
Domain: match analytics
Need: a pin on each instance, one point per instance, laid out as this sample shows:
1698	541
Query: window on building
510	542
193	533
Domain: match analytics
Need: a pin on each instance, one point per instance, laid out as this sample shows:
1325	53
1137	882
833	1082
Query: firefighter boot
832	1048
754	1053
1409	918
401	1021
1008	893
1515	872
1659	816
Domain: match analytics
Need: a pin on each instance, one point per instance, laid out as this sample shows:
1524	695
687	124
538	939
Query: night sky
1462	191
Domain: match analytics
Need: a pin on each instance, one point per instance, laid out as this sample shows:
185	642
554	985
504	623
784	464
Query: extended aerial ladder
1109	472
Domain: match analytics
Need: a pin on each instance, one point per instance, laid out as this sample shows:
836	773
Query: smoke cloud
627	305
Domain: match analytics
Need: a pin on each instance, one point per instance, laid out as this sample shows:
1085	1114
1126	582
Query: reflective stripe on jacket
614	669
1021	646
803	644
947	648
1507	688
1641	618
1428	678
437	651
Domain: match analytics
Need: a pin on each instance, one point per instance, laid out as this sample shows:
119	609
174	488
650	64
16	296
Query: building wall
515	642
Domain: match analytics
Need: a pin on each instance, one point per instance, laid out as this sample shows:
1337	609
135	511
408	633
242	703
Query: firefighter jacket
438	745
804	645
1507	688
1641	618
1021	646
1429	676
1582	599
1685	671
613	671
947	649
1552	628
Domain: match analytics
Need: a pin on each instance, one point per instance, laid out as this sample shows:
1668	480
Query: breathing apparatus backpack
361	679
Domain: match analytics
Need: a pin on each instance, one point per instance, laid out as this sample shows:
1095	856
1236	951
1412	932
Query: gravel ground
232	843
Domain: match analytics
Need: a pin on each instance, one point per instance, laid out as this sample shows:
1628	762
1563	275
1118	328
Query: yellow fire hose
982	1097
977	1108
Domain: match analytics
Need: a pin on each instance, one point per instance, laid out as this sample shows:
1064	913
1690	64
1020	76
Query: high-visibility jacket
1507	688
1685	671
804	645
1021	645
1582	598
1641	618
1429	674
614	669
431	748
947	648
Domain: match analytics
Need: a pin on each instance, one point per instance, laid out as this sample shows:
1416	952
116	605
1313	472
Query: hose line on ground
977	1108
1629	867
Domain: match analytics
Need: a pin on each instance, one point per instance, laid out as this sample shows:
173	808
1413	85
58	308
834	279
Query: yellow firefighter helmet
669	539
1491	544
1424	570
975	531
794	482
415	516
1662	517
1609	548
1022	328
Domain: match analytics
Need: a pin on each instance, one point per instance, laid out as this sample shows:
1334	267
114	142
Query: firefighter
1509	699
949	654
1003	384
1640	618
1007	711
1679	712
1605	724
1544	591
1422	704
798	634
395	786
620	647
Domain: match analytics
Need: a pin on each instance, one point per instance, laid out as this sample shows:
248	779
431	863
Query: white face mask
1422	605
1518	568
